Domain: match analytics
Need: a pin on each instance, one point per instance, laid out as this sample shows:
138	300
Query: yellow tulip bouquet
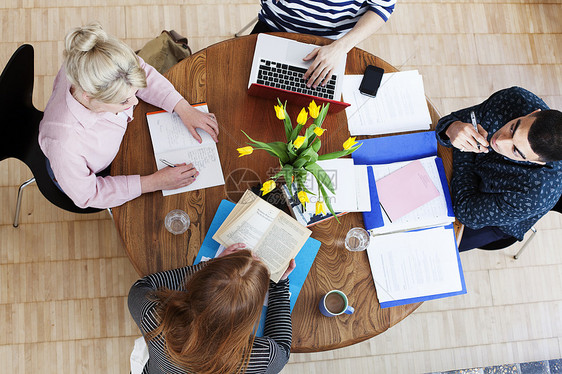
299	154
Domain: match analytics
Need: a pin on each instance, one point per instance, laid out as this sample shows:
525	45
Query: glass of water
177	221
357	239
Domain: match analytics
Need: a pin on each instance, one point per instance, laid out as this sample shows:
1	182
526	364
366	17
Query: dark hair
210	327
545	135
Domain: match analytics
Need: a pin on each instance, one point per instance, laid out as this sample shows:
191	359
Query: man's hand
466	139
169	178
195	119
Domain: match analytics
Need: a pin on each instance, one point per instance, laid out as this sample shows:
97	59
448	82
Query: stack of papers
399	106
415	266
350	183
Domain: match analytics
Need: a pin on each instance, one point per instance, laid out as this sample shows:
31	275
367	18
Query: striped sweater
269	354
328	18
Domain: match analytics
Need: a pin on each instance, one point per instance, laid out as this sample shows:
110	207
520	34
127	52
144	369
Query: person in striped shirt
201	319
347	21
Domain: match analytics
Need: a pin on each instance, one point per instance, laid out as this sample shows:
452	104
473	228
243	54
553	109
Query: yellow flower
268	187
244	151
303	117
319	131
303	197
320	208
279	112
313	109
299	141
350	142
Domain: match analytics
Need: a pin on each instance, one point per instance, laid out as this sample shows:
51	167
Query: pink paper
405	189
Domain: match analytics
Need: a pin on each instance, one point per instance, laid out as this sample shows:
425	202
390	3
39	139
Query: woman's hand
466	139
292	266
232	248
169	178
326	60
195	119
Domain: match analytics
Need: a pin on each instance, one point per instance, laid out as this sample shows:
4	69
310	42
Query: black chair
20	122
504	243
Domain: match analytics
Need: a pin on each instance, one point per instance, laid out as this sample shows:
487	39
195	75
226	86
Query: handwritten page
414	264
174	143
433	213
399	106
405	189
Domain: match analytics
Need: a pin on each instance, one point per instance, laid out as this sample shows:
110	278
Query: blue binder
397	148
406	147
304	258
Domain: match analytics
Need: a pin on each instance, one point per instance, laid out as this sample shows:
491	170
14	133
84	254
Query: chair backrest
20	126
558	206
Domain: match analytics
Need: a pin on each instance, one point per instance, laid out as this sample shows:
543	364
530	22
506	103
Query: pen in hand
473	119
167	163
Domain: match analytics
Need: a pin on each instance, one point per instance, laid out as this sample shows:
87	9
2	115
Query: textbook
272	234
173	142
304	259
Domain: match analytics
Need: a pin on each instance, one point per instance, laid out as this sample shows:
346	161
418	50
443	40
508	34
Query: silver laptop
278	64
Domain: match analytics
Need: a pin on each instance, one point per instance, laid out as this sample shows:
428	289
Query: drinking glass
357	239
177	221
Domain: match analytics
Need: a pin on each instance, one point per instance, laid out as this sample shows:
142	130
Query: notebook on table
278	69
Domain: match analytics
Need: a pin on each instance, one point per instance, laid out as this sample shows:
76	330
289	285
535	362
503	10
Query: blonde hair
211	327
101	65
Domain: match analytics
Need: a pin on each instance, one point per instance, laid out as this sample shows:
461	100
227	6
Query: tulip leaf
316	145
327	201
321	176
287	121
338	154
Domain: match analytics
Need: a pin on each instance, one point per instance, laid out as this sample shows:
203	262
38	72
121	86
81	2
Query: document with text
415	266
400	105
173	142
271	234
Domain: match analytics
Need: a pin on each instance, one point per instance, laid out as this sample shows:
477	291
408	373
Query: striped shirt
269	353
328	18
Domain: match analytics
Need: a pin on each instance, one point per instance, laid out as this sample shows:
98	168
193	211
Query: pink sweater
80	143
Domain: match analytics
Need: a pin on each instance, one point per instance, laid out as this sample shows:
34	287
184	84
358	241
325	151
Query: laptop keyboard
288	77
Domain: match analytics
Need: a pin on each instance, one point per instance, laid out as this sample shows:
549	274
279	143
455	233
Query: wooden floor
64	277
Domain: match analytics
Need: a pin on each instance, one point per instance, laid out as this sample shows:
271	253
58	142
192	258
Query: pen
473	119
168	163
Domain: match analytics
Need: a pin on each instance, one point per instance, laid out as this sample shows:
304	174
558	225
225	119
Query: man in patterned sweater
508	174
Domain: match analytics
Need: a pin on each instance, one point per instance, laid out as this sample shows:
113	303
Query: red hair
210	327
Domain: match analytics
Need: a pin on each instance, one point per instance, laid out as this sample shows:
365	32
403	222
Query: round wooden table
219	76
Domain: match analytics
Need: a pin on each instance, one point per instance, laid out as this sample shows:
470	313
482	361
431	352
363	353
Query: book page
272	234
281	242
414	264
433	213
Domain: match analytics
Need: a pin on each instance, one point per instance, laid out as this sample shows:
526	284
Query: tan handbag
165	51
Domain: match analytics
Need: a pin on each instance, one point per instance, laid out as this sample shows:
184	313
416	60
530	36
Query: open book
271	234
173	142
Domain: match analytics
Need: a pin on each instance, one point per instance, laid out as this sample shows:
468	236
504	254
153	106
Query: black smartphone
371	81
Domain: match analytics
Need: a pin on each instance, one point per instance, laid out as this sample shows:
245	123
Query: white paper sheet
399	106
350	183
414	264
174	143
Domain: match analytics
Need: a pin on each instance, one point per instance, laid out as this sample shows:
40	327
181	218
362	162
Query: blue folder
304	258
406	147
397	148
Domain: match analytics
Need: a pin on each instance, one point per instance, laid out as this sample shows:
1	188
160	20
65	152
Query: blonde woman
201	319
86	118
